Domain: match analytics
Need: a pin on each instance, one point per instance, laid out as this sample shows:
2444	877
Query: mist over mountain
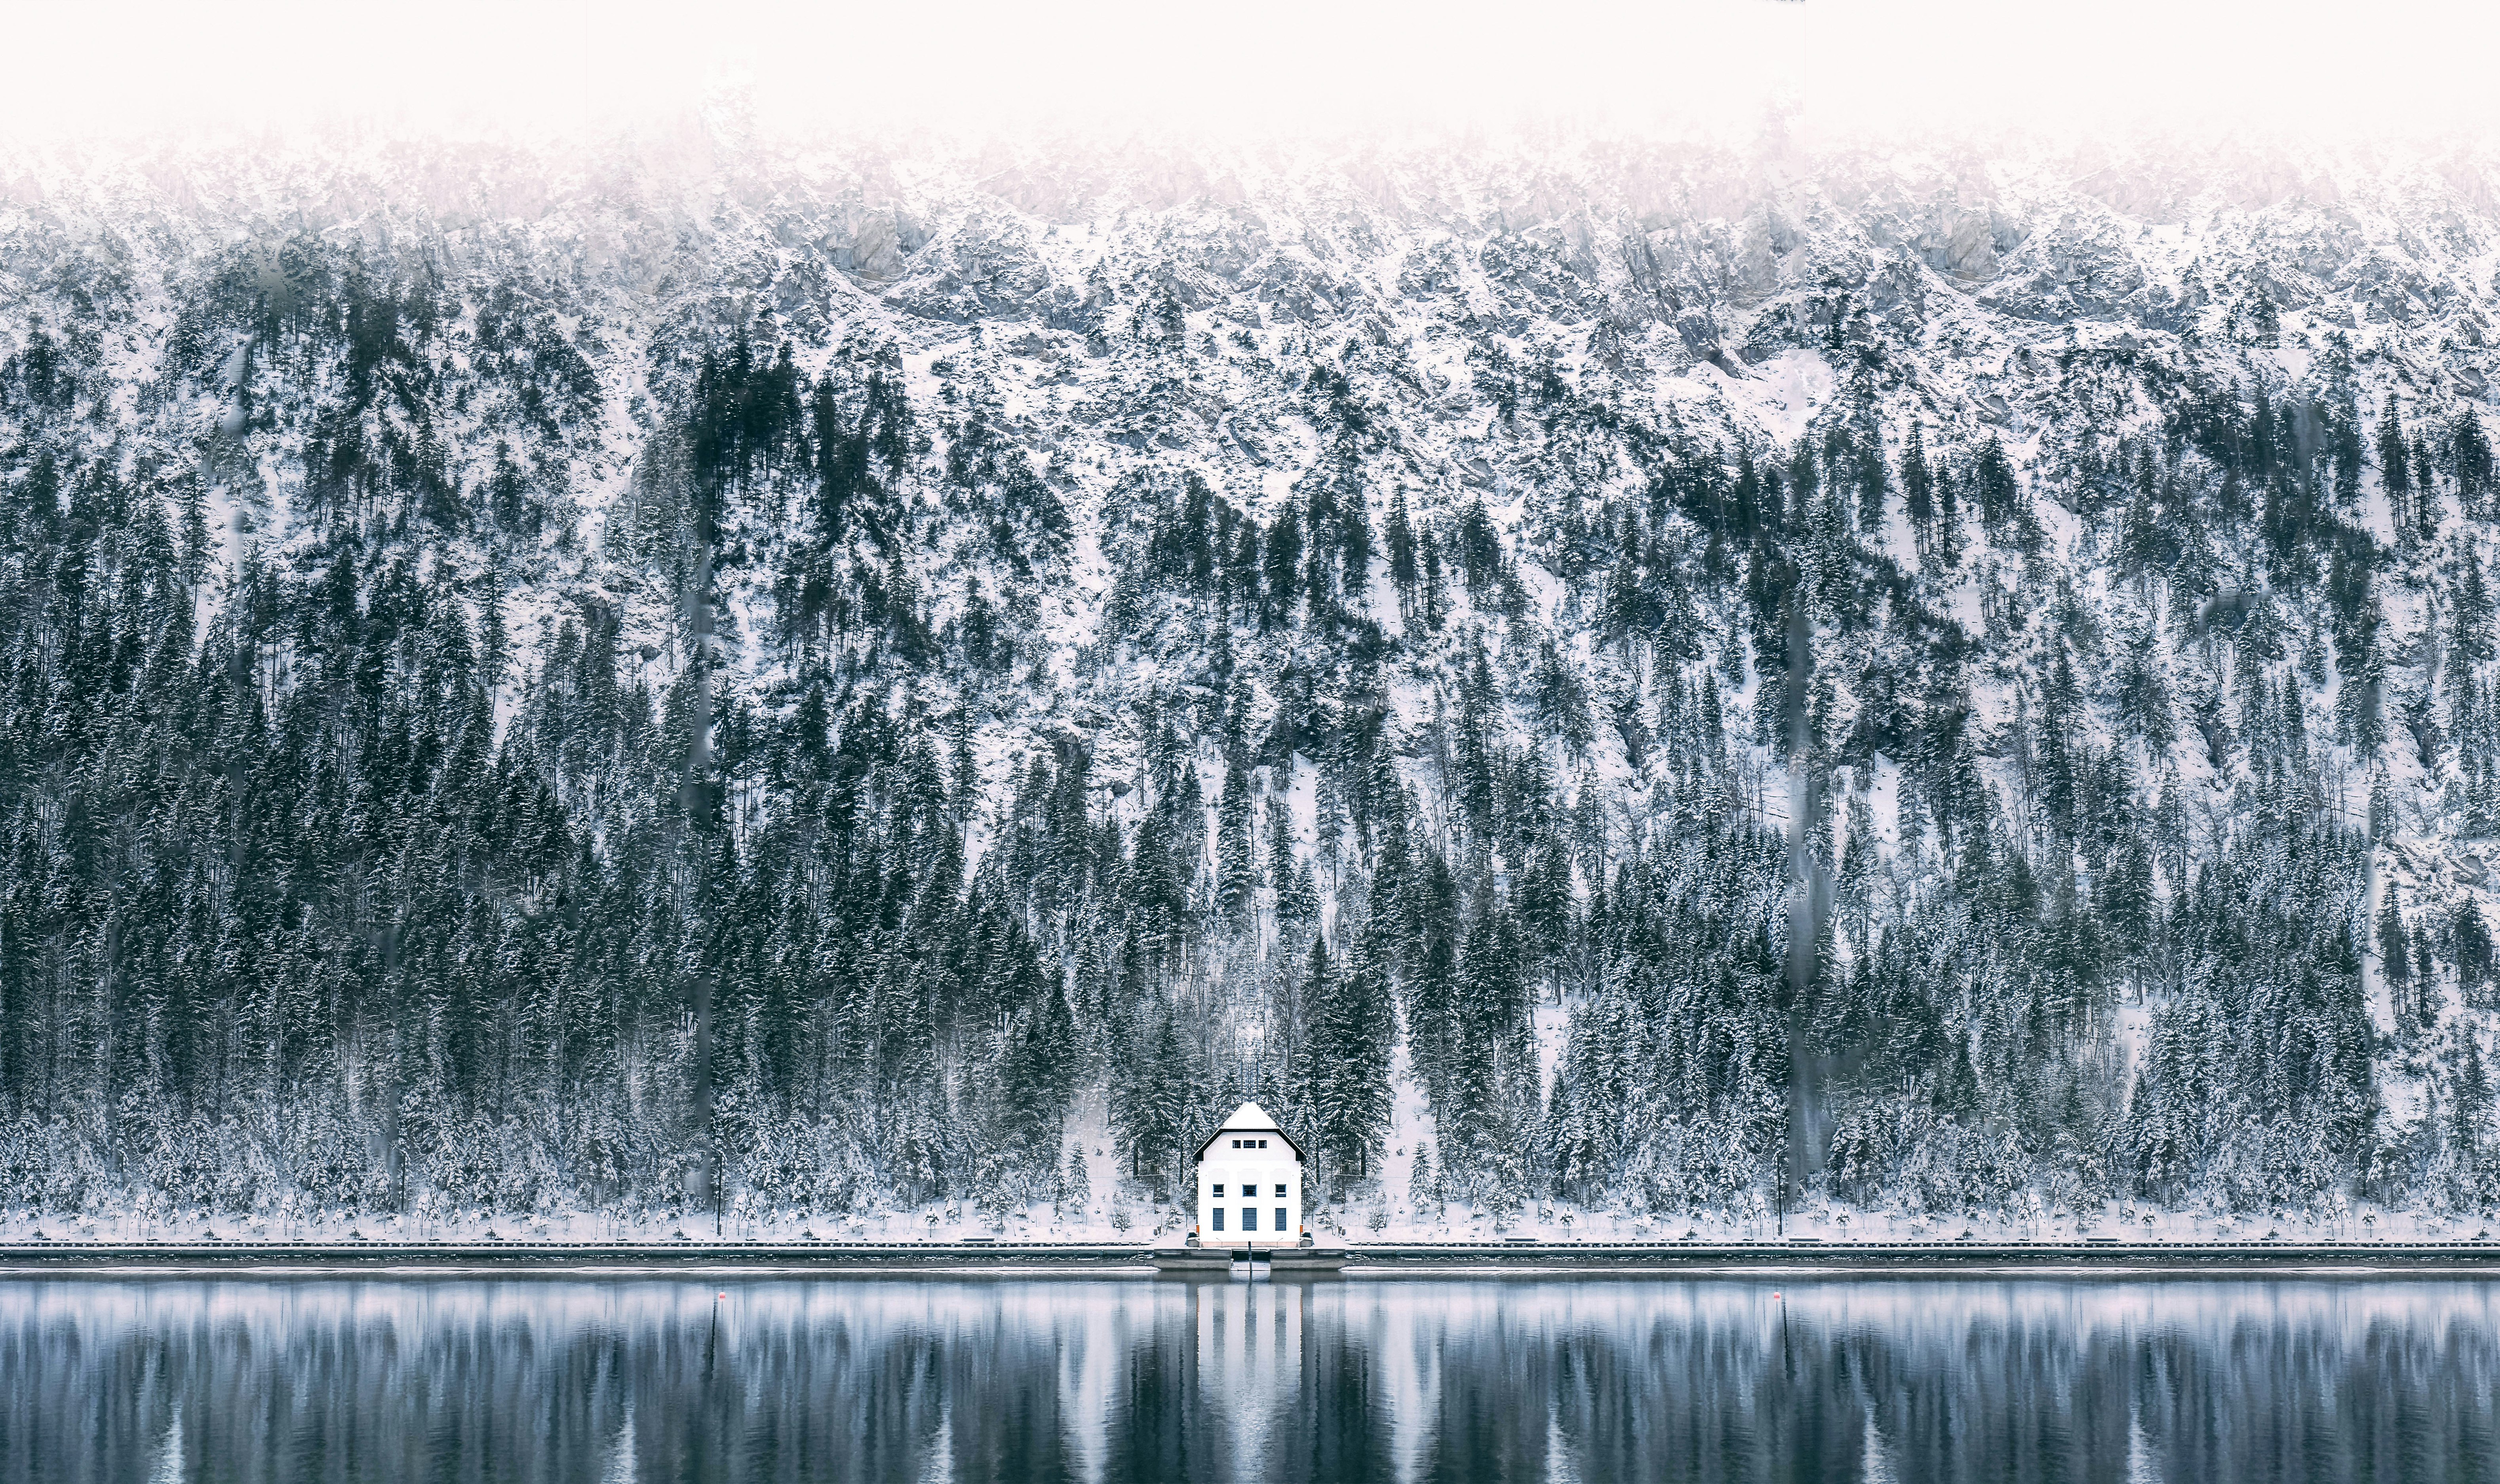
1581	671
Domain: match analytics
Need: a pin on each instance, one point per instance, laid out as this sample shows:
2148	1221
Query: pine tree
1352	1027
2393	475
1235	879
1948	520
1918	486
1354	547
1423	1184
1329	819
2470	456
2264	321
2395	959
1149	1103
1400	538
1998	494
1298	902
1432	977
1484	1075
1283	565
2469	1093
1076	1184
1281	859
2473	948
1873	484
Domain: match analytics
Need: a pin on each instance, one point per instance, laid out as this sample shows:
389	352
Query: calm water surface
875	1380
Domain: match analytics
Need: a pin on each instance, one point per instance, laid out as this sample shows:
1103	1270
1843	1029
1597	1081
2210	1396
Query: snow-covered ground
1091	1225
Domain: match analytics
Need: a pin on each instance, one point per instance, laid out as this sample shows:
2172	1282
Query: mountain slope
834	680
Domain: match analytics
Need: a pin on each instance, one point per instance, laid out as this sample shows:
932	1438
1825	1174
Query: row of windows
1248	1190
1249	1143
1249	1219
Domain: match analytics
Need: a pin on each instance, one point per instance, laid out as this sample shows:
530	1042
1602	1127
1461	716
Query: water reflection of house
1249	1183
1250	1370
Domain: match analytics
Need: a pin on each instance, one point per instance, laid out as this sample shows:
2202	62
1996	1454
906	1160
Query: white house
1249	1183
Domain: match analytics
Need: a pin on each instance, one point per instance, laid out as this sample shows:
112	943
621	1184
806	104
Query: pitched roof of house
1249	1118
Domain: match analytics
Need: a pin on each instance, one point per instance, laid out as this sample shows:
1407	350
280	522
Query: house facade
1249	1183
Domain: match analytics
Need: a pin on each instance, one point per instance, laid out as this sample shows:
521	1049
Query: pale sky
562	66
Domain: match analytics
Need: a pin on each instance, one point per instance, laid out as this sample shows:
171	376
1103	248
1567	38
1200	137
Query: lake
861	1379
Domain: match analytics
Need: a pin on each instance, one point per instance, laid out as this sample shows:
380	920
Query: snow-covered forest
1610	675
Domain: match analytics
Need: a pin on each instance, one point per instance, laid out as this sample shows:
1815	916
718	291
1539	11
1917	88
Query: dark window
1249	1219
1280	1190
1280	1218
1263	1143
1219	1190
1219	1218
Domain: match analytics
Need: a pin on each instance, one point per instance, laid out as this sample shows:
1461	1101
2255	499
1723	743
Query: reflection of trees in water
1115	1380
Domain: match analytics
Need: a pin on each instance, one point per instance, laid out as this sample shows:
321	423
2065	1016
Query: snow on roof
1249	1118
